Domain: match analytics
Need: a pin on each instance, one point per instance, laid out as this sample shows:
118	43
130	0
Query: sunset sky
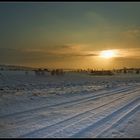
70	34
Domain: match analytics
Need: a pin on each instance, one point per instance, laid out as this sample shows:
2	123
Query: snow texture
73	105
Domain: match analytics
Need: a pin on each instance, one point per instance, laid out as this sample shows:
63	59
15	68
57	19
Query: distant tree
92	71
46	70
124	70
137	71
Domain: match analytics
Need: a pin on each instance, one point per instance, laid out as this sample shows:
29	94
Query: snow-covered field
73	105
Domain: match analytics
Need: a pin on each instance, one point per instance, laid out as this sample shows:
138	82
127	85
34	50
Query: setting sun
108	54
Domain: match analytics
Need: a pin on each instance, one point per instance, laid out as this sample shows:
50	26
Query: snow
69	106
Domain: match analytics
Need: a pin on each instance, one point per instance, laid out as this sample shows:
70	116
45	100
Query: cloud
72	54
62	50
78	54
37	55
132	32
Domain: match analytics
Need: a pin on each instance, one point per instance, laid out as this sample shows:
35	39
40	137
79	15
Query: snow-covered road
89	107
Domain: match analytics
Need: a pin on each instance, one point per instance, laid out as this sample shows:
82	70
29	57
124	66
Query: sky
70	34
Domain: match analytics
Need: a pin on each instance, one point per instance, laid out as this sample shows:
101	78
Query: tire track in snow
70	120
97	97
38	119
22	117
71	129
119	121
69	102
79	114
84	102
92	127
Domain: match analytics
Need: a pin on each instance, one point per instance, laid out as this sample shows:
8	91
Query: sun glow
108	54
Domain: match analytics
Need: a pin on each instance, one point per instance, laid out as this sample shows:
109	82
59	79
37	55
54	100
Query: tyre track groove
71	119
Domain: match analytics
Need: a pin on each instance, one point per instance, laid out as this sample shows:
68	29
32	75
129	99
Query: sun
107	54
